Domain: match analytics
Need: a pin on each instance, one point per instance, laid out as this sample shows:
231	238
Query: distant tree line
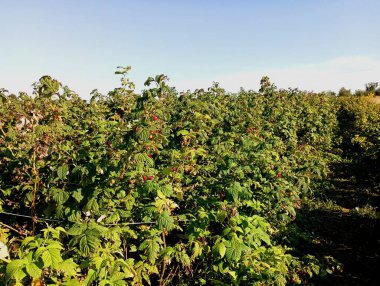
371	89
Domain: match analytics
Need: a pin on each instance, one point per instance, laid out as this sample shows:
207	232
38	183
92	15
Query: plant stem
163	261
35	188
10	227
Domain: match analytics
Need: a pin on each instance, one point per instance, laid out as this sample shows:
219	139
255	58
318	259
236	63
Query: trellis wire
110	224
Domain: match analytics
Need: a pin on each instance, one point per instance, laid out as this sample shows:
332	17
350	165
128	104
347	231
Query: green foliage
160	188
359	127
39	258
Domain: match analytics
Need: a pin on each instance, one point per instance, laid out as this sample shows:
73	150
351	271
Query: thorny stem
35	188
2	131
163	261
125	245
10	227
171	274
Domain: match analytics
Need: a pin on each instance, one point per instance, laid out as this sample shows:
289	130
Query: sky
311	45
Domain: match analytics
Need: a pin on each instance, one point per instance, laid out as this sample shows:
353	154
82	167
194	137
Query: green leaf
264	237
46	258
68	267
148	81
89	242
13	267
77	229
148	161
73	282
234	191
60	196
33	270
160	195
91	276
77	195
62	171
182	132
164	220
197	250
234	252
92	206
222	249
232	273
167	190
152	248
51	257
117	278
140	158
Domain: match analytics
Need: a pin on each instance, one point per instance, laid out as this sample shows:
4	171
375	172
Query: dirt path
344	224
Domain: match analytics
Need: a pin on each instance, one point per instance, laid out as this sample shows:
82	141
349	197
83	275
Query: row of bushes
165	188
359	135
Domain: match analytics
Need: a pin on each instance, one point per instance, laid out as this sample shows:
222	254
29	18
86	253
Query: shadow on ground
343	231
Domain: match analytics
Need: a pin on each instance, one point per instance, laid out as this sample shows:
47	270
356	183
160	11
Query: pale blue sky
308	44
